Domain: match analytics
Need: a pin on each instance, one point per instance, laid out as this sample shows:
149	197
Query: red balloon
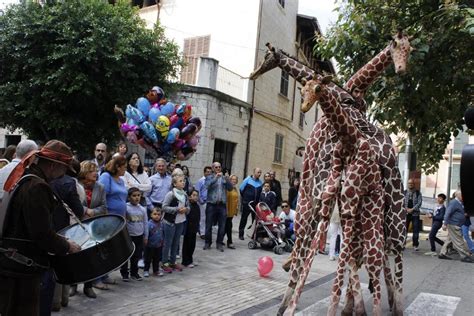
265	266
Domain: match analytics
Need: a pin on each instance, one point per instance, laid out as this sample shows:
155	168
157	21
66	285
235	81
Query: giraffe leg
349	306
388	279
398	295
347	224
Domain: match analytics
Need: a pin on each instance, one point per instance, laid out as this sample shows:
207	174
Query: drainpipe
247	149
450	166
408	152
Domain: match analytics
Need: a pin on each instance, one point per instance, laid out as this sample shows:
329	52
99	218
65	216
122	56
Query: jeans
153	257
172	238
246	211
46	292
415	220
434	230
228	229
467	237
215	212
136	256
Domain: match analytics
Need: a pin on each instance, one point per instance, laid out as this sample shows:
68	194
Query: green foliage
65	65
429	102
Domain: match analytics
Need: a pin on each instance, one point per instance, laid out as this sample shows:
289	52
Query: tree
428	103
64	65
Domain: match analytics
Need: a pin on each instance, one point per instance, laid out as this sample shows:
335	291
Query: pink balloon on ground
265	265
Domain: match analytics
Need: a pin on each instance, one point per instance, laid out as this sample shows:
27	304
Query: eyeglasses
285	206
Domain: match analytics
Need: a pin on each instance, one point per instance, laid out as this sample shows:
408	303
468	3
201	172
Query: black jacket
65	188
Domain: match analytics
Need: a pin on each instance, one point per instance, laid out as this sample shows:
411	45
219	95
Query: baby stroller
268	231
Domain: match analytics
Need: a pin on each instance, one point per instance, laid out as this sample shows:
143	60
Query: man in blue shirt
160	185
217	186
453	220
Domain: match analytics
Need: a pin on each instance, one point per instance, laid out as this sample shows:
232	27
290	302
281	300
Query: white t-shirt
291	216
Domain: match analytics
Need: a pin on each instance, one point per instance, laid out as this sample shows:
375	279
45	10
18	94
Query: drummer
28	217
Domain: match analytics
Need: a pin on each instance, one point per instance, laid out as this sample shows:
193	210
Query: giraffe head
312	91
400	50
271	60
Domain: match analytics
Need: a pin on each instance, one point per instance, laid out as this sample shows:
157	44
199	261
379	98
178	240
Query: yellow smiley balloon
163	125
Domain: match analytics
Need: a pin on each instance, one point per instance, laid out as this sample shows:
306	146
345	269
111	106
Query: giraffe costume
313	179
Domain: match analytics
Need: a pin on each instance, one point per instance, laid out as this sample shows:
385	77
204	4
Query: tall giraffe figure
313	180
361	200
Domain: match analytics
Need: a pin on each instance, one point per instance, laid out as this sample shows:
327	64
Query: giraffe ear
317	88
326	79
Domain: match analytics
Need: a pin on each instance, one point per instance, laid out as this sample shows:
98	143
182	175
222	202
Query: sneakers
167	268
146	274
141	264
431	253
177	267
442	256
332	258
415	248
178	257
190	265
159	273
137	277
231	246
467	259
125	278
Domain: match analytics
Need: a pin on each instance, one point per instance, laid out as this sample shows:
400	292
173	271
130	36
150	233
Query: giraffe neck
299	72
296	69
339	118
363	78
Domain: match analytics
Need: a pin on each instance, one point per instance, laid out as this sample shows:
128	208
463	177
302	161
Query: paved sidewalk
222	284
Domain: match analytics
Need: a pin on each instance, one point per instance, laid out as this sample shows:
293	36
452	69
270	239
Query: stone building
268	122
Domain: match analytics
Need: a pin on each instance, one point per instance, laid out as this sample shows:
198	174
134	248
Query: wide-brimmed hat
58	152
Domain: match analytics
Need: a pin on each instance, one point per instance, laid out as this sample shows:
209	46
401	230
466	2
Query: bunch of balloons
161	126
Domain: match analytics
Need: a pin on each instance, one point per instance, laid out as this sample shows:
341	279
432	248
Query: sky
321	9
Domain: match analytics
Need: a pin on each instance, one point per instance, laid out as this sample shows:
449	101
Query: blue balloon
172	135
180	109
154	114
167	109
149	131
143	105
134	114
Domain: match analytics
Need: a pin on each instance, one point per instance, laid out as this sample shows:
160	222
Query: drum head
94	230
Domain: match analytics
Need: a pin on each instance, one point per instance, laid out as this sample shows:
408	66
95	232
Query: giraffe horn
270	47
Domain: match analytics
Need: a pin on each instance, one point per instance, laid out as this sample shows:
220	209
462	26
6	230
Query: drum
105	243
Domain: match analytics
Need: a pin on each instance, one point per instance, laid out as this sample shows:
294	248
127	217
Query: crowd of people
165	212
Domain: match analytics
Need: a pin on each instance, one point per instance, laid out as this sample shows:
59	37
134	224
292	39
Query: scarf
180	195
18	171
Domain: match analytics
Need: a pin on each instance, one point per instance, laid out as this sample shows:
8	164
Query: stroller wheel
288	247
252	244
278	250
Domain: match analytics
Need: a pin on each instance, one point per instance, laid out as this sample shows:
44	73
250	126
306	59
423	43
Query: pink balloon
265	266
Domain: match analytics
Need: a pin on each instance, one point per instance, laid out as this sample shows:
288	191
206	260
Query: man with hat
26	231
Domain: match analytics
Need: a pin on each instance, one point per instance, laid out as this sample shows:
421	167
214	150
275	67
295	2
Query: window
301	122
194	47
282	3
223	153
278	148
284	83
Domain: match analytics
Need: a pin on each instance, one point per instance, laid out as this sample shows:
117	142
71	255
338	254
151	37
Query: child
189	241
138	229
175	207
155	243
438	217
269	197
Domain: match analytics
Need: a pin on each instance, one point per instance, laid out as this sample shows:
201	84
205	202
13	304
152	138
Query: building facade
234	33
